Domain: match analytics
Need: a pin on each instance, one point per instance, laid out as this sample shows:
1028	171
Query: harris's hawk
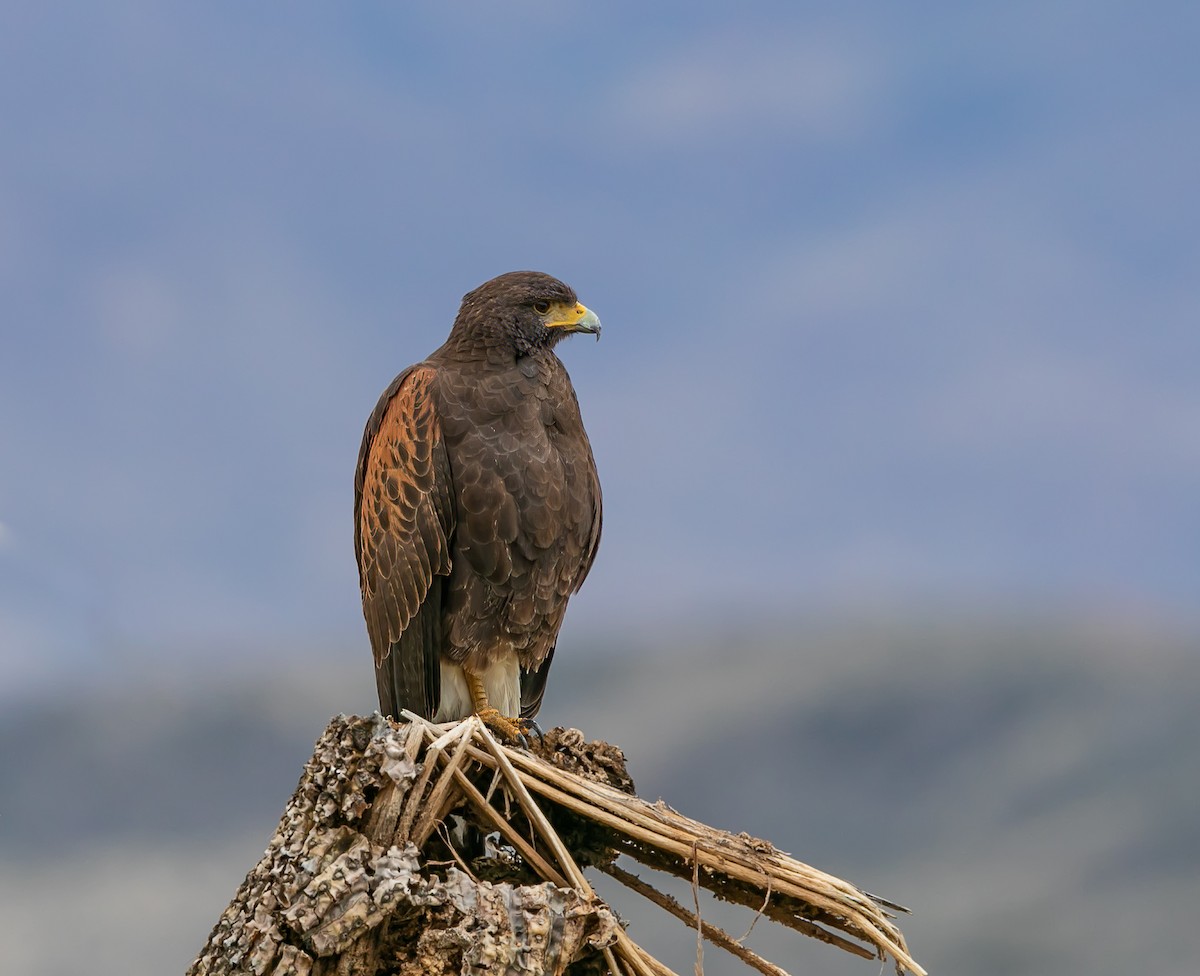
477	509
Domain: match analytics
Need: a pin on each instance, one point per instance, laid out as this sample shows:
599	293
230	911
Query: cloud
739	88
998	314
135	309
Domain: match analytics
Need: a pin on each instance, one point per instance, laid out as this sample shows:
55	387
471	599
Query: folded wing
403	522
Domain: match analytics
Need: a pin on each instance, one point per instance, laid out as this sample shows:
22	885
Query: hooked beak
573	318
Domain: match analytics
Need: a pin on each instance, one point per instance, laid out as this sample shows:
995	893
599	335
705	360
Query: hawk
477	509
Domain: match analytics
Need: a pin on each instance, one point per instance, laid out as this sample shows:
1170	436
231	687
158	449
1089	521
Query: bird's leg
509	728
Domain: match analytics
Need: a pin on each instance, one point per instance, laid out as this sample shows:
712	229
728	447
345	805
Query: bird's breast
520	464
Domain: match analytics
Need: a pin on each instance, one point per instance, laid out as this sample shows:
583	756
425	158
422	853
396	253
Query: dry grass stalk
700	852
717	936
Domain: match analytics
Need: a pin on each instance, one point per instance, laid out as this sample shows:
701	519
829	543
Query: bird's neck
499	348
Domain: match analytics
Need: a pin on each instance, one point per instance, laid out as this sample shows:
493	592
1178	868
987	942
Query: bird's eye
541	307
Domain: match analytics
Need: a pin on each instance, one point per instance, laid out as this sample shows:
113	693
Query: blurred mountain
1028	787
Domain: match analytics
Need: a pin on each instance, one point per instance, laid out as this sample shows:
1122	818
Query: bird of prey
477	509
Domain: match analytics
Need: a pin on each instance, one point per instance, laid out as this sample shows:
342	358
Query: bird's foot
510	730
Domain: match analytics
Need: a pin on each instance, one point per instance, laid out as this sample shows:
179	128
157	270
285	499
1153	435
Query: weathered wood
339	890
363	877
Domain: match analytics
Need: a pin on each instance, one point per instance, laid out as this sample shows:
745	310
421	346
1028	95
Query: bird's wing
593	542
403	522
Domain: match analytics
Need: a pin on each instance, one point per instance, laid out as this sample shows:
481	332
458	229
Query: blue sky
901	304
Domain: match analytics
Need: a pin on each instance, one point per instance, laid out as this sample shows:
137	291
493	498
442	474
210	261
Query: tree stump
410	848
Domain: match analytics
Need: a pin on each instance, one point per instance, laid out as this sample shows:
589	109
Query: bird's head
523	310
